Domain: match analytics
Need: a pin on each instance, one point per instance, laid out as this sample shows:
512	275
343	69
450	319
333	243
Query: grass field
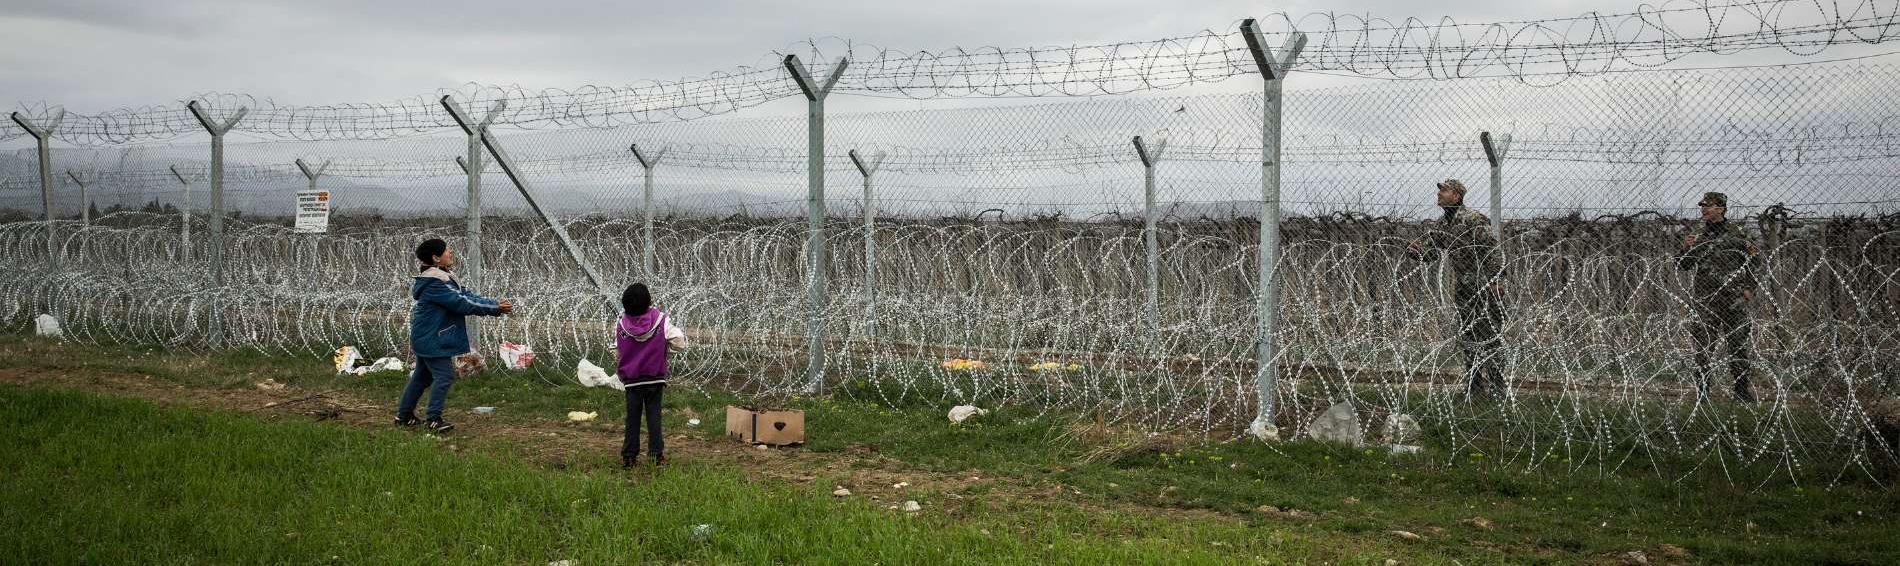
97	472
101	480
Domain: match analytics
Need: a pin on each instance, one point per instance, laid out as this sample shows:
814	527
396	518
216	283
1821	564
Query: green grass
102	480
1543	514
1166	495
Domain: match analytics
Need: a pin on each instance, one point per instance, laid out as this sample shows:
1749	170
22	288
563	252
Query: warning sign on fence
313	212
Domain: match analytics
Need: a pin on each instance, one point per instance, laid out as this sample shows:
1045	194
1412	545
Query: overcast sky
93	55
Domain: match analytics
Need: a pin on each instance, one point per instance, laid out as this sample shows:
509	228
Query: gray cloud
182	19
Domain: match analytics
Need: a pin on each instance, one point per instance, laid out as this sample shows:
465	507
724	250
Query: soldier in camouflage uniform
1722	260
1478	271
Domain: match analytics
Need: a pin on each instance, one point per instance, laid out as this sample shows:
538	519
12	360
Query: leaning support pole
647	163
1151	156
815	262
217	131
184	215
1273	70
527	193
1495	149
85	197
867	169
44	136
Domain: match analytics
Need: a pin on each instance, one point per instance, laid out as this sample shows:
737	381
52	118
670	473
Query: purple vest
640	341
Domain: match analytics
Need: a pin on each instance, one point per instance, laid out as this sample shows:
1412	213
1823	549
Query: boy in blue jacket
438	331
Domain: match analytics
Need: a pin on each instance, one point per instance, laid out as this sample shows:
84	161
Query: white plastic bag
46	325
591	375
381	364
386	364
960	413
468	364
516	356
345	359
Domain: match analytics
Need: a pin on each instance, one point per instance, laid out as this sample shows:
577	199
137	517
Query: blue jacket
438	325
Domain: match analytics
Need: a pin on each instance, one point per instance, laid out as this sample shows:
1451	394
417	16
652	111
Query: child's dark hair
429	249
636	300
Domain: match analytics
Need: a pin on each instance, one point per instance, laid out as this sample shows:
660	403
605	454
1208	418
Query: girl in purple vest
641	339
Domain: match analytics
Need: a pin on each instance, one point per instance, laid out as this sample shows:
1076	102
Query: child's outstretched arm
675	337
455	301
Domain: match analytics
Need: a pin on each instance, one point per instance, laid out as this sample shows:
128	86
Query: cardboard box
777	428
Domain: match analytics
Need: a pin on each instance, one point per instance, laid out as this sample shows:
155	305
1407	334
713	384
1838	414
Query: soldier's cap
1713	199
1455	185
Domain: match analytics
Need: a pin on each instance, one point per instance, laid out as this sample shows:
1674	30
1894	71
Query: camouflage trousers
1480	321
1721	329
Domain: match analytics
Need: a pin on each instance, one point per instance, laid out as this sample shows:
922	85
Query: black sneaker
439	426
628	462
407	421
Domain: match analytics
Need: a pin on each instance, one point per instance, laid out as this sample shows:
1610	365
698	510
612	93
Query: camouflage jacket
1466	238
1722	262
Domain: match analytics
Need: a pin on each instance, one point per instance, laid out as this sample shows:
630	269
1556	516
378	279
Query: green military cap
1455	185
1713	199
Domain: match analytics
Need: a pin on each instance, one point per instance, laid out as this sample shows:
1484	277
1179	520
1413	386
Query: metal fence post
473	259
184	213
217	131
85	197
1151	156
44	137
1495	150
815	261
646	206
867	169
1273	70
473	166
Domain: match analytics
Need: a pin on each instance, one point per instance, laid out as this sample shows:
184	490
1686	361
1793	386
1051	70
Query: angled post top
1272	66
814	91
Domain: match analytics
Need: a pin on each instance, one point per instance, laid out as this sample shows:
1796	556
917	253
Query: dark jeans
644	399
434	374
